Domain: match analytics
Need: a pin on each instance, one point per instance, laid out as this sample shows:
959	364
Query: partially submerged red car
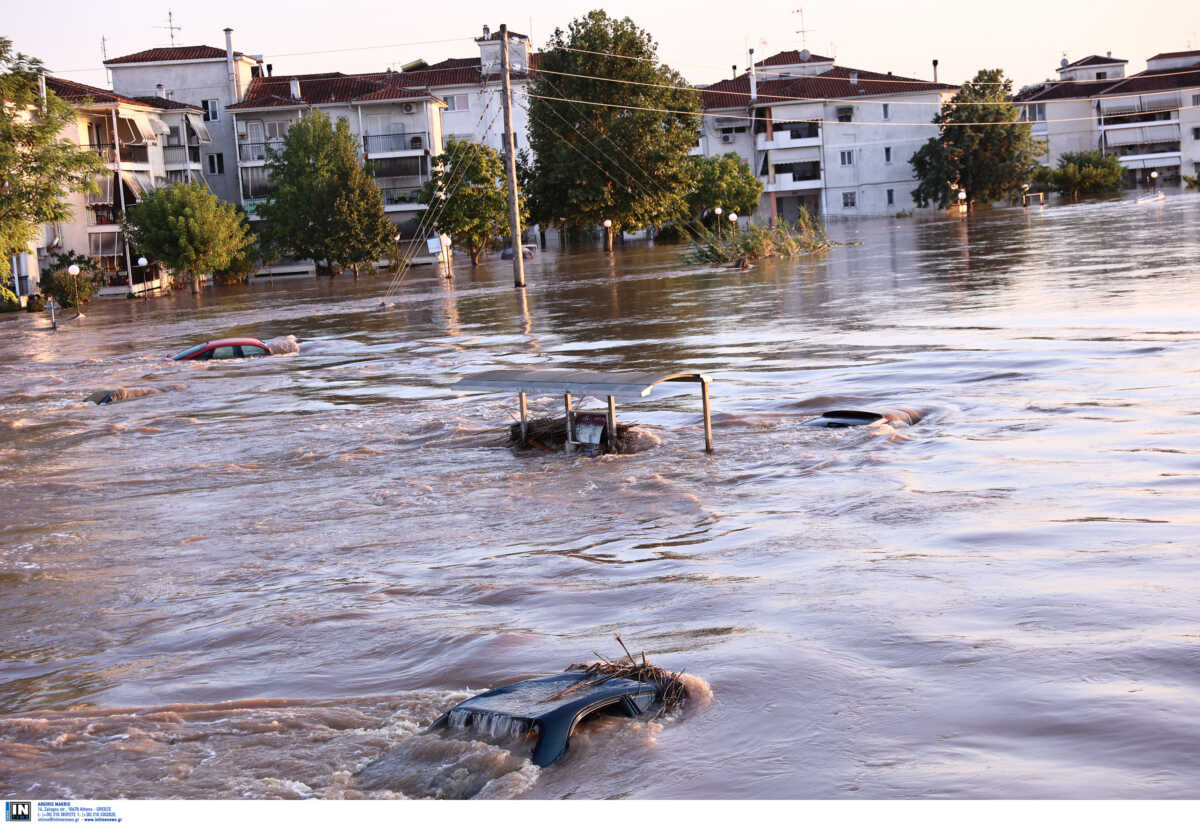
225	349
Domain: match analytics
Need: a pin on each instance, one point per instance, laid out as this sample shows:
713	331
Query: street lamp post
1154	180
142	265
717	211
73	271
962	201
608	240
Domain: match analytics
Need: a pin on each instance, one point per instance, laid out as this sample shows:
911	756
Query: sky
1026	38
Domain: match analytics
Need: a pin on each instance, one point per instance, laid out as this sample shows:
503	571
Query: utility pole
510	165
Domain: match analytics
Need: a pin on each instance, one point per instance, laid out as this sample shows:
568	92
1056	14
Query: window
211	110
1196	133
887	154
225	352
886	111
849	200
1035	112
457	103
1101	75
891	197
173	137
216	164
848	158
1196	100
845	114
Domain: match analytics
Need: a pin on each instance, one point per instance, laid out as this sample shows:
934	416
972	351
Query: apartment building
207	77
471	87
145	142
1150	120
830	139
398	126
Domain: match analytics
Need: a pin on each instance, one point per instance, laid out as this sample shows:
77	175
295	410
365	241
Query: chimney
1108	54
734	69
935	70
234	93
486	32
162	91
853	78
270	70
753	80
294	88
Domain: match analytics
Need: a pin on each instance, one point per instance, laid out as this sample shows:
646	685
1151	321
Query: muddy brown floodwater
262	578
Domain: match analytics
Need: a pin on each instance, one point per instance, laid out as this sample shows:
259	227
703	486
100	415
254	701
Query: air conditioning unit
408	108
727	138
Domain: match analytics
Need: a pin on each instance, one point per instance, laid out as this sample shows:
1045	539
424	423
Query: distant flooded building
831	139
1150	120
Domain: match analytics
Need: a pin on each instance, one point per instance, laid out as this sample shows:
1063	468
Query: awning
197	124
139	182
1151	163
1123	137
1158	102
105	195
158	126
621	385
1163	134
135	129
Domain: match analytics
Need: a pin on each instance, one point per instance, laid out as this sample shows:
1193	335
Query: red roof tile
73	92
332	87
792	58
164	103
1169	55
456	71
1164	80
833	84
171	53
1063	90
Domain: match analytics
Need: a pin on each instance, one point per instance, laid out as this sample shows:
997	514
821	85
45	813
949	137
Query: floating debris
550	435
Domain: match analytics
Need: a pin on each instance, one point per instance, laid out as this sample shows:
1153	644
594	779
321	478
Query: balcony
785	139
176	156
381	144
396	198
785	182
258	151
130	154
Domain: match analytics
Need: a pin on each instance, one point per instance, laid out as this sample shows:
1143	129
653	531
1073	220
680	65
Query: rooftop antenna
803	32
170	27
103	57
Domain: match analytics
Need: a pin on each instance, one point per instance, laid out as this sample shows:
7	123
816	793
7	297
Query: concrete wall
483	119
1070	126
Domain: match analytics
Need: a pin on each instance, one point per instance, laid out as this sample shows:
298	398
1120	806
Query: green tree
622	153
469	195
982	147
68	289
187	228
38	169
325	207
1087	173
725	181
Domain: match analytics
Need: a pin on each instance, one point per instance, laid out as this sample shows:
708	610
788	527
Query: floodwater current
262	578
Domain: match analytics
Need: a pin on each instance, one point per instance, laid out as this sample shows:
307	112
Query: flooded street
262	578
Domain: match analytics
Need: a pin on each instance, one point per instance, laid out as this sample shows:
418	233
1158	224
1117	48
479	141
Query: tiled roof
1093	60
1169	55
1166	80
164	103
171	53
456	71
791	58
332	87
1064	90
834	83
73	92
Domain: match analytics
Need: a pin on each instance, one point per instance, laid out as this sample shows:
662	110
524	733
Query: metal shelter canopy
567	382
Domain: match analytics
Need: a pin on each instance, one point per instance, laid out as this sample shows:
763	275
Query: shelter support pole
510	167
708	440
612	423
524	420
570	447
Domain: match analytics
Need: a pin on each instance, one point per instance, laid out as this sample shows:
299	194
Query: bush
8	300
745	245
60	285
1086	173
35	303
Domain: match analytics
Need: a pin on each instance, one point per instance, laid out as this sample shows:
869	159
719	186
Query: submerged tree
982	148
324	207
189	229
1085	173
610	128
725	181
38	169
468	196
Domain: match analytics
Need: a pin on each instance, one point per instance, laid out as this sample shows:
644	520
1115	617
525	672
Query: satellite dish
805	54
1063	63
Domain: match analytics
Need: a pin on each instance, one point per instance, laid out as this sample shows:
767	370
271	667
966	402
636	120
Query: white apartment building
398	127
145	142
206	77
1150	120
471	88
831	139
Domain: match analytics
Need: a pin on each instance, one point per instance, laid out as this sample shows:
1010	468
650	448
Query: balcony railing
181	155
379	143
129	153
400	195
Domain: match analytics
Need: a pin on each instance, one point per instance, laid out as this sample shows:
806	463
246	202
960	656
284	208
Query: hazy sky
1026	38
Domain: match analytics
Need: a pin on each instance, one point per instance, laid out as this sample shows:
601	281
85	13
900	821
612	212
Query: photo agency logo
18	811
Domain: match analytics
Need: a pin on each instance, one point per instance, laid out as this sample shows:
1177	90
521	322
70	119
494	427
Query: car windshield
187	353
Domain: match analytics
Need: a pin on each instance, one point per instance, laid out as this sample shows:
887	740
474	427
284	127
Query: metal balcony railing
378	143
129	153
400	195
180	155
105	150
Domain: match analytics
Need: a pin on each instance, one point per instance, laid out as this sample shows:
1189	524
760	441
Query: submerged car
550	708
225	349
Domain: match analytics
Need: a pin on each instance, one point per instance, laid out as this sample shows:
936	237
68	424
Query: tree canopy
982	147
187	228
474	209
325	207
38	169
622	152
725	181
1084	173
